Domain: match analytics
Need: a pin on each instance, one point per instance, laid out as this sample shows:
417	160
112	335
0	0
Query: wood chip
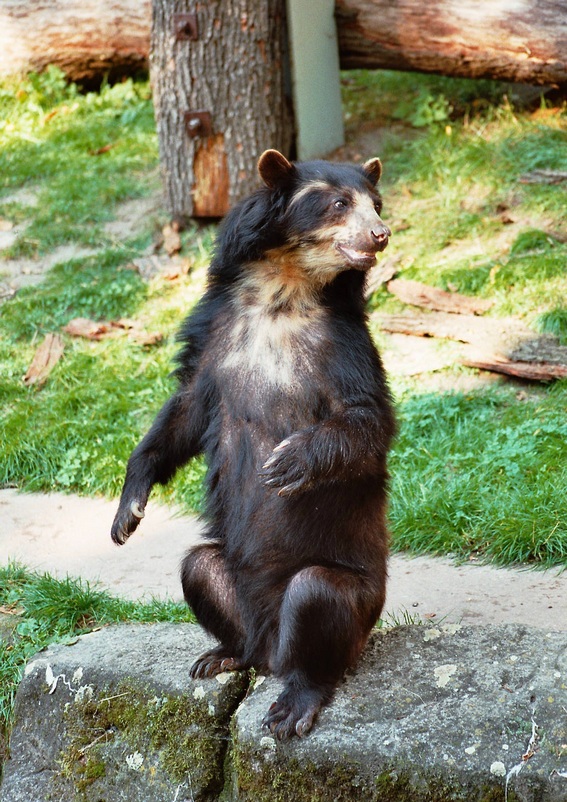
11	609
45	358
104	149
90	329
171	238
382	274
145	338
427	297
98	330
147	266
544	177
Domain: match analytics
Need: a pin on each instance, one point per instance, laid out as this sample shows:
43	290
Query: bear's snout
380	236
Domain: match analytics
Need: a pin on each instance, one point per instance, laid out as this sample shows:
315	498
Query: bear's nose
380	234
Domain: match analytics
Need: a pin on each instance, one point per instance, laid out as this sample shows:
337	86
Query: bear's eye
340	204
378	207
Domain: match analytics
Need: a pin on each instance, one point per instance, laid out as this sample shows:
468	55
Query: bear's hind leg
326	616
210	593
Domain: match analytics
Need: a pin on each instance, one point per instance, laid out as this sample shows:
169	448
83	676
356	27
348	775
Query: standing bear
282	389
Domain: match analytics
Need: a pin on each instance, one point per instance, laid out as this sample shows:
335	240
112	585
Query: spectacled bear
283	390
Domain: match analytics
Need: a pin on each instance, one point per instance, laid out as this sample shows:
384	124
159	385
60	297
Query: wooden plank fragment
541	371
418	294
44	360
463	328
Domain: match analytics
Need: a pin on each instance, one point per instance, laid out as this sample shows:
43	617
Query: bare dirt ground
130	217
67	535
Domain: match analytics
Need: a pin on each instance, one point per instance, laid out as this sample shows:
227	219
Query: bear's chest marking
277	349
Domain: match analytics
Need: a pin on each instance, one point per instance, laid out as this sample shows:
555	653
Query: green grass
480	473
487	479
39	609
82	154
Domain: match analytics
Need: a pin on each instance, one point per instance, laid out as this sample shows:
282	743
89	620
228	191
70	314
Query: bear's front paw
127	519
286	468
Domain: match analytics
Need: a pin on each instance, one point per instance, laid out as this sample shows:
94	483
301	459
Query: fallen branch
542	371
503	345
543	177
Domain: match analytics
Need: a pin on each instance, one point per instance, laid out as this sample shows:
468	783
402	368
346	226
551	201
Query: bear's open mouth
363	260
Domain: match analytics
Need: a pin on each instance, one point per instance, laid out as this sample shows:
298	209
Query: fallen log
509	40
542	372
512	40
87	39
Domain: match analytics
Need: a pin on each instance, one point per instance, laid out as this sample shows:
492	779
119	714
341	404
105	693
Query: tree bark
87	39
510	40
235	70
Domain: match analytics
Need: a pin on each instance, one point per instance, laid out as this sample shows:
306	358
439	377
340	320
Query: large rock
432	714
116	718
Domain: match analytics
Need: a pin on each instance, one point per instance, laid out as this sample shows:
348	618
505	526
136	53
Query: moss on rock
173	740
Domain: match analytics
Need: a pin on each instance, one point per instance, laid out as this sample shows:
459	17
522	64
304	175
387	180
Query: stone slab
446	713
115	717
432	714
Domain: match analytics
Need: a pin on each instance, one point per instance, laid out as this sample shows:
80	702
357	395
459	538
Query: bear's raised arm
175	437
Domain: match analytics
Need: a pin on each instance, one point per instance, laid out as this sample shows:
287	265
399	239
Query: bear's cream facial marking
352	235
362	234
312	186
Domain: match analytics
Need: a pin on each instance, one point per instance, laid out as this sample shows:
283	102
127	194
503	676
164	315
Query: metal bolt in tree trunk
218	72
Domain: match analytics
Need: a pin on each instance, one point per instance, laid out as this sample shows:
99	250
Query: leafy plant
425	110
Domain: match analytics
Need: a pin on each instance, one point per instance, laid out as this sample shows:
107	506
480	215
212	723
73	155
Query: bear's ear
274	168
373	170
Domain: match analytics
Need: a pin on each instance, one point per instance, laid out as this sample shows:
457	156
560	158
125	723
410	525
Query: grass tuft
554	322
44	610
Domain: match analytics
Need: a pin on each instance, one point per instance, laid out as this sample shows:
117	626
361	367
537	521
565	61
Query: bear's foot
293	712
214	662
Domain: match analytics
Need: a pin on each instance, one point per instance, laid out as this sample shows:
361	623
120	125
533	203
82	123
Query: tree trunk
220	98
510	40
87	39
